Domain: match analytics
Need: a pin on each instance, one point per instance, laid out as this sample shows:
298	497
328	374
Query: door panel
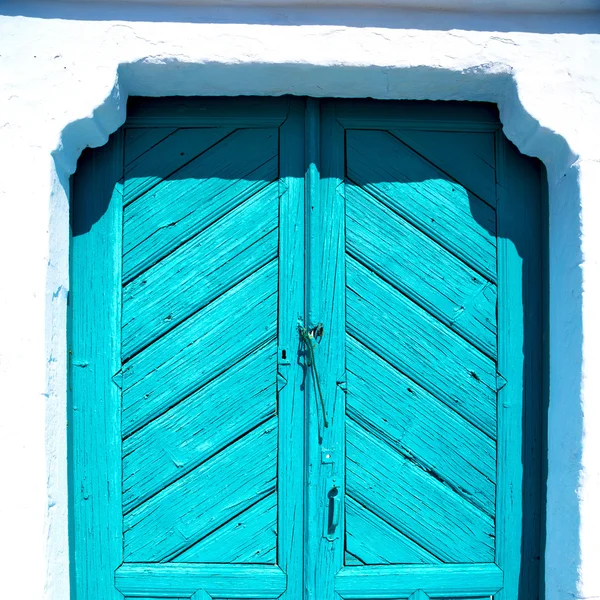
199	346
387	244
158	217
419	191
466	156
198	427
411	420
418	315
416	343
204	396
149	308
251	537
306	354
372	541
419	505
419	438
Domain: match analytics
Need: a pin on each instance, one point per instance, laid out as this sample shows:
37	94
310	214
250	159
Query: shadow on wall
163	165
175	78
387	18
171	77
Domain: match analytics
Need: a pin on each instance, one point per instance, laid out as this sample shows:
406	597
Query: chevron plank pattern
199	349
421	348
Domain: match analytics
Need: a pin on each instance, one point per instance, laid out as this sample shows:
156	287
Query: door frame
152	113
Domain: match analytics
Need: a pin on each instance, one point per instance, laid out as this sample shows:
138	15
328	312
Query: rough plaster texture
65	73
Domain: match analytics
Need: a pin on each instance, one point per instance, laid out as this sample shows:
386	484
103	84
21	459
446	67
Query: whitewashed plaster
65	73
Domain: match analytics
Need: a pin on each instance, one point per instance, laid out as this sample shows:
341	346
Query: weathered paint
306	417
209	313
539	68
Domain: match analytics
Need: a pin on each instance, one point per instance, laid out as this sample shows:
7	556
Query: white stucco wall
65	73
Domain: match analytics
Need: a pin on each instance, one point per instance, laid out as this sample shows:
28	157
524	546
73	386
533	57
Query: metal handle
334	509
309	336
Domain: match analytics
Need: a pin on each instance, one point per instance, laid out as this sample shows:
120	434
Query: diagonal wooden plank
421	268
206	266
250	537
140	139
422	194
182	514
166	157
200	426
200	348
416	503
420	346
469	157
351	560
374	542
177	209
402	414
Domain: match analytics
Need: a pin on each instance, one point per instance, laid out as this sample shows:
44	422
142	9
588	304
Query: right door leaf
421	348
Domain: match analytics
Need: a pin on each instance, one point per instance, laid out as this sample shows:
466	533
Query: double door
306	354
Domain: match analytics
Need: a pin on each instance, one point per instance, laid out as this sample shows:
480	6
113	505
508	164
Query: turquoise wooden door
425	277
187	409
306	354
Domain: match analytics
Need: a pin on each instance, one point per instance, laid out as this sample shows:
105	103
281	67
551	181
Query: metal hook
309	337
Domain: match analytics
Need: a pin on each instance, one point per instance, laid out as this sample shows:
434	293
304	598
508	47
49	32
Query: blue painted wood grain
220	581
96	541
141	140
421	506
421	193
468	157
201	464
172	211
200	270
198	427
325	305
396	410
412	340
442	581
521	320
167	160
424	270
372	540
195	505
424	206
249	538
189	356
291	409
201	218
